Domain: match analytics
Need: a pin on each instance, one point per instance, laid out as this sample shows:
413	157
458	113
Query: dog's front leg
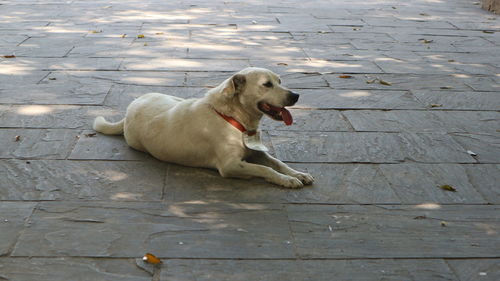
263	158
242	169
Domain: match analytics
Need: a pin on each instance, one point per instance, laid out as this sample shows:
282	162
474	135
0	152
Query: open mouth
276	112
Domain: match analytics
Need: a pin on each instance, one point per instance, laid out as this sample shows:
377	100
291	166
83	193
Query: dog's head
259	90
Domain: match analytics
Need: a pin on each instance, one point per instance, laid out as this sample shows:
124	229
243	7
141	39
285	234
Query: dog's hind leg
263	158
242	169
108	128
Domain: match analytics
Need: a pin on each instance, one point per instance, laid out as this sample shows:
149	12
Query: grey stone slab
398	82
53	116
309	120
12	218
394	231
81	180
337	147
7	76
196	230
121	96
392	22
485	145
357	99
224	49
45	47
182	64
470	121
426	67
334	183
485	83
317	66
395	121
77	91
321	270
36	143
485	178
459	100
59	269
368	147
104	147
476	269
25	65
420	183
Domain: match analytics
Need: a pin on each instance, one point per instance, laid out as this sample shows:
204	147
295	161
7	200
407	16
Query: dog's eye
279	81
269	84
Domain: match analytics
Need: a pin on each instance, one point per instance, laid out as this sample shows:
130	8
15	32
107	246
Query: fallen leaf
159	33
394	7
321	31
18	138
96	31
150	258
419	217
140	36
448	187
145	44
451	60
384	82
9	56
446	87
52	78
425	41
424	14
90	135
443	223
355	28
371	81
436	105
345	76
282	63
488	31
124	35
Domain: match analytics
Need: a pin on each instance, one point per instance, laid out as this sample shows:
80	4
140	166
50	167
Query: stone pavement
424	90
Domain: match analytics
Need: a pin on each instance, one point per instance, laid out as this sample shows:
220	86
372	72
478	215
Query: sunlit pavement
400	104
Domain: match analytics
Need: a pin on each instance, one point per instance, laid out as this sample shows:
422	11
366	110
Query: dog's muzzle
292	98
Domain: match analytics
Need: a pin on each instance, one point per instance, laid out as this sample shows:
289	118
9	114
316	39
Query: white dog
218	131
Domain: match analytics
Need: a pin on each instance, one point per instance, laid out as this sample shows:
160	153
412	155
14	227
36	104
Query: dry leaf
446	87
90	135
96	31
472	153
345	76
18	138
424	14
451	60
159	33
448	187
488	31
436	105
282	63
145	44
150	258
384	82
419	217
52	78
140	36
9	56
371	81
124	35
443	223
425	41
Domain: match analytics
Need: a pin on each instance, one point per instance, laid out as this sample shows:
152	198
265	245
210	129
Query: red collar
236	124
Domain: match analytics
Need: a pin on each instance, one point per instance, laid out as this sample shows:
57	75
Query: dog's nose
293	97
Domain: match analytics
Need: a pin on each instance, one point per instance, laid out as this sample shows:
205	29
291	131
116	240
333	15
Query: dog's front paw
305	178
290	182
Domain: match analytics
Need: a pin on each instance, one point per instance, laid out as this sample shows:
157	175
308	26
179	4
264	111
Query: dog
218	131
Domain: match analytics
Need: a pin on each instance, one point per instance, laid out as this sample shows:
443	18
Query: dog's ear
235	85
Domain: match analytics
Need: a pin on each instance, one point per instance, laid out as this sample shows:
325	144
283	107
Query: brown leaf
424	14
140	36
345	76
384	82
446	87
420	218
448	187
52	78
159	33
96	31
9	56
150	258
436	105
425	41
18	138
371	81
282	63
124	35
488	31
90	135
443	223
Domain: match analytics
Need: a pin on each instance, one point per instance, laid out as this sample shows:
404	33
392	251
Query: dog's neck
250	119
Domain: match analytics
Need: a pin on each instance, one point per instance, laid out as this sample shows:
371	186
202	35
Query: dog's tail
108	128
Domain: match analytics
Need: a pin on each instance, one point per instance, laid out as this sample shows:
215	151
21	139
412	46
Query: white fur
191	133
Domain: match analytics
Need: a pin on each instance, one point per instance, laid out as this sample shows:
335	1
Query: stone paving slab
59	269
81	180
12	219
394	231
124	230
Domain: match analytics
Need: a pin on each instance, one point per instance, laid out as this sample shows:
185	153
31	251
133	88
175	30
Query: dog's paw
305	178
290	182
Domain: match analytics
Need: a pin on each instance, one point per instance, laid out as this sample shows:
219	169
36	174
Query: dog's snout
293	97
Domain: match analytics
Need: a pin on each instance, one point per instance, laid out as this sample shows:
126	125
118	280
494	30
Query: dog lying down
218	131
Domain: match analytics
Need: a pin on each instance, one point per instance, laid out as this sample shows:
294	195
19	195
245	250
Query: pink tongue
287	117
